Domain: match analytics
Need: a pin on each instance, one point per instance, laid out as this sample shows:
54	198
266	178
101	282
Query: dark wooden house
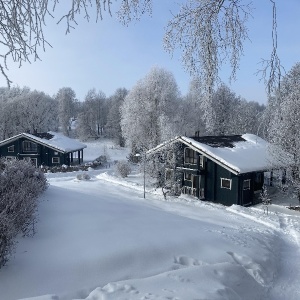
222	169
47	149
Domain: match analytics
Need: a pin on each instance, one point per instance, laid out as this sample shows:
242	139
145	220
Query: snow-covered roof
248	153
54	140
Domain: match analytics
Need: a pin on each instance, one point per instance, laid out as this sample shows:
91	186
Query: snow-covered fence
20	185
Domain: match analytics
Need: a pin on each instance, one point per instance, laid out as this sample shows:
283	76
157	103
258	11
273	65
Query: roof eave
38	141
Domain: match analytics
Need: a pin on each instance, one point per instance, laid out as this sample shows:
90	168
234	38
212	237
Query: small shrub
123	168
264	196
83	176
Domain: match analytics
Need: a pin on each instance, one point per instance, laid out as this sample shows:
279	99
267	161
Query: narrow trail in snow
287	230
288	260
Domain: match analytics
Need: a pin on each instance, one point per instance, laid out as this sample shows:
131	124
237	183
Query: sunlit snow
100	239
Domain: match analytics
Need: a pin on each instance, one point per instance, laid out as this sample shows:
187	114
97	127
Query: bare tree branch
272	69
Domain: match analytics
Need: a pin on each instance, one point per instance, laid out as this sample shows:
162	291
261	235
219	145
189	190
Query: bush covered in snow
83	176
123	168
20	185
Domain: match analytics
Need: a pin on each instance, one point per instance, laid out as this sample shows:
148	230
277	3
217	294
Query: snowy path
287	230
101	237
286	285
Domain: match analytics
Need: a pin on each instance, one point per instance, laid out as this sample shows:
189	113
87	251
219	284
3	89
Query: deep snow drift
99	239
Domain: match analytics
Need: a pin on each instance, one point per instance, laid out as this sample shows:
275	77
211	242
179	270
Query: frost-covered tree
113	125
96	106
224	102
39	112
285	124
191	111
92	117
149	110
22	110
22	23
249	117
10	111
209	32
66	98
83	130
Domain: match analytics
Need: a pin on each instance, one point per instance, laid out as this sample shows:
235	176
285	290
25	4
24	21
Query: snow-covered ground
101	240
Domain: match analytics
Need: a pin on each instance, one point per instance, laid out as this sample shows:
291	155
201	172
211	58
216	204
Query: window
189	191
55	153
188	176
226	183
29	146
190	156
55	160
201	161
11	148
246	184
258	177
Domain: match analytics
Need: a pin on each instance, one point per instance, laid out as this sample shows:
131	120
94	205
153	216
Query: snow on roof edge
58	142
248	156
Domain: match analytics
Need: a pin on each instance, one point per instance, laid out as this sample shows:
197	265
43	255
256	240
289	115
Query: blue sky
106	55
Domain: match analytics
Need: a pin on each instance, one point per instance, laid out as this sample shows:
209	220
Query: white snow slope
100	240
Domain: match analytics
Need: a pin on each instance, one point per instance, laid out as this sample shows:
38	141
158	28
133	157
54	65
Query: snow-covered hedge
83	176
20	185
123	168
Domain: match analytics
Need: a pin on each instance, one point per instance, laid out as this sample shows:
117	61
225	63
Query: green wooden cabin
221	169
47	149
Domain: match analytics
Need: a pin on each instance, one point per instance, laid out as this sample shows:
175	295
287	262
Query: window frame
226	187
187	176
247	187
201	161
188	159
32	148
56	158
9	149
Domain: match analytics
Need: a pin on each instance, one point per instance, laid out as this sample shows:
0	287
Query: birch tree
38	112
95	104
285	125
209	32
22	110
113	125
191	111
66	98
149	110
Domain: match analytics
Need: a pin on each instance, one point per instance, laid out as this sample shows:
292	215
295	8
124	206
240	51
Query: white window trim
185	156
224	187
201	161
247	188
56	162
189	191
185	176
9	147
